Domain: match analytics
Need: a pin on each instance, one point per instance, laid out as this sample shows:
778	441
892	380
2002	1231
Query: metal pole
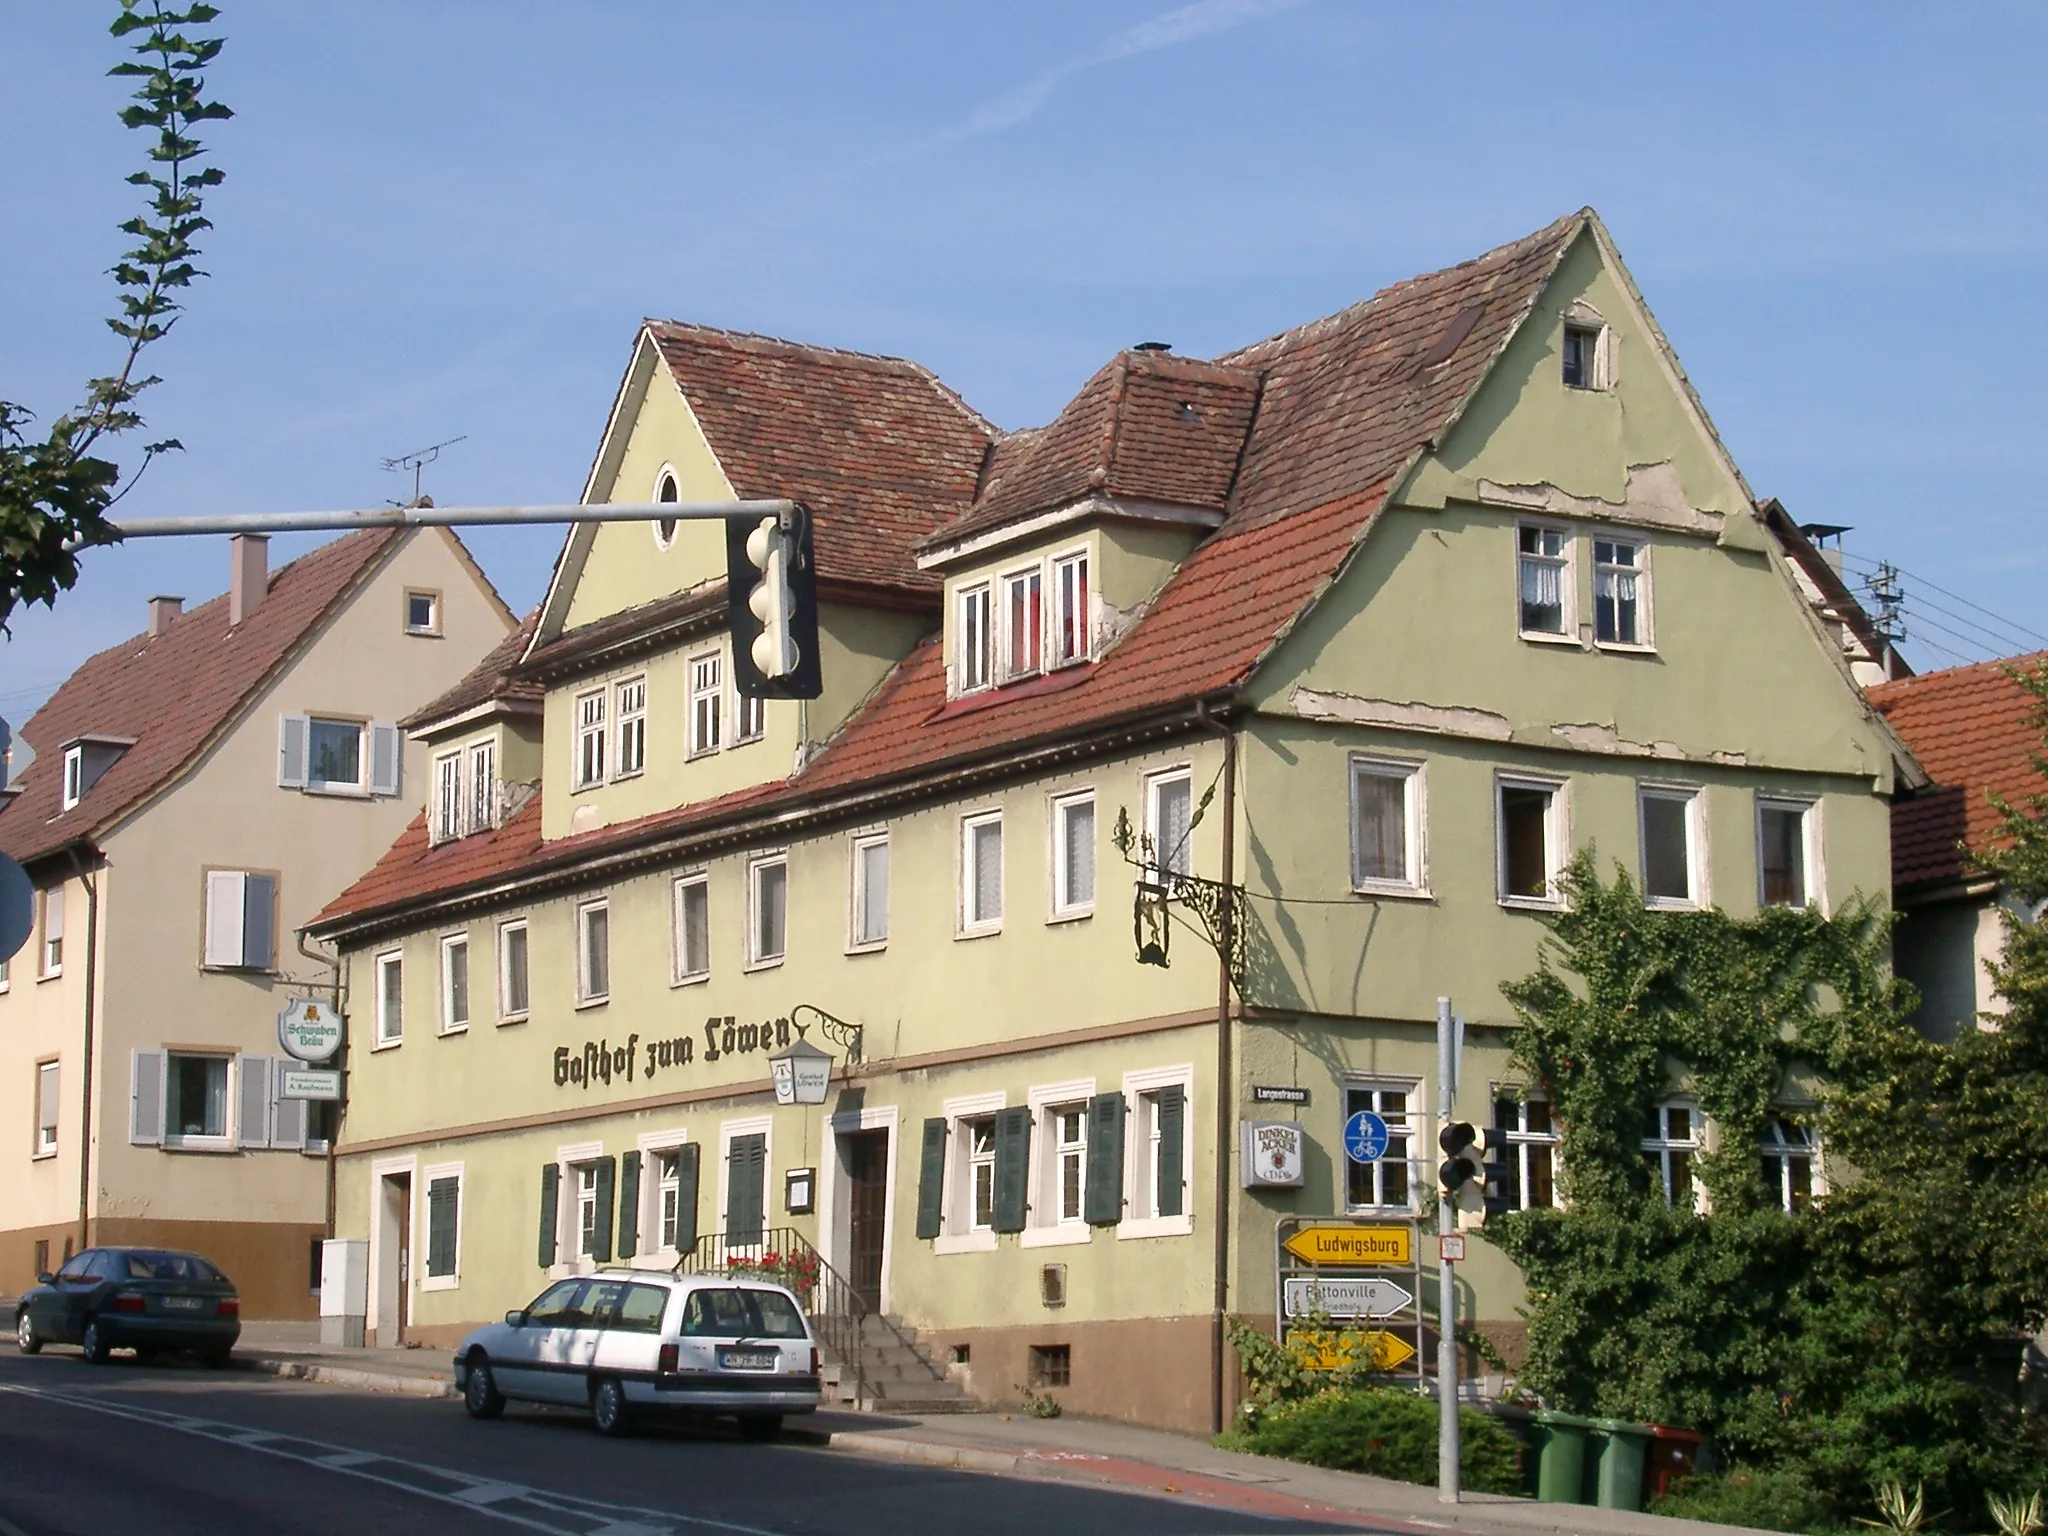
1447	1448
452	517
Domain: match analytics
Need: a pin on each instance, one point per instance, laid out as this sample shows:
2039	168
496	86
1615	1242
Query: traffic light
772	606
1470	1155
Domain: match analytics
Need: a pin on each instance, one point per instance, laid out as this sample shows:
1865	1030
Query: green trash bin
1618	1474
1560	1441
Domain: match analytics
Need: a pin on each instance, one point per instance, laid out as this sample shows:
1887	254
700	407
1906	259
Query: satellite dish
17	907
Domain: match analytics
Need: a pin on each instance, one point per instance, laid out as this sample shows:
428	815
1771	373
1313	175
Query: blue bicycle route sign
1365	1137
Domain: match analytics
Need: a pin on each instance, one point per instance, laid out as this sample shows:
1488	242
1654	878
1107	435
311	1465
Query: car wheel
480	1394
760	1426
608	1408
27	1338
93	1344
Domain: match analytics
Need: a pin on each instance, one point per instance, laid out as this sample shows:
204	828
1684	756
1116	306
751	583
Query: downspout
333	1131
92	955
1226	1097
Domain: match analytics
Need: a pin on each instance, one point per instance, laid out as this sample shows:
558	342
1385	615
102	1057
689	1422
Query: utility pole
1447	1448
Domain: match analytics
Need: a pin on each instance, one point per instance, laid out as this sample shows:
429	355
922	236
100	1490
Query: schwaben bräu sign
602	1062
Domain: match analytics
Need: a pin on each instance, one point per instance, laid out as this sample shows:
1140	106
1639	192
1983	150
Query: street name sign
296	1083
309	1029
1308	1295
1365	1137
1271	1093
1346	1245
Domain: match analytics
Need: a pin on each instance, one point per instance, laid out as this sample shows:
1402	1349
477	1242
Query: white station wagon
624	1342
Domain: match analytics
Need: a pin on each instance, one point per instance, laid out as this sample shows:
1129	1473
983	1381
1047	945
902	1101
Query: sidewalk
1090	1451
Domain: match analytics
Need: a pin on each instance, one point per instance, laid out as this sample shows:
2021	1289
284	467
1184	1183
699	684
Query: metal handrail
784	1255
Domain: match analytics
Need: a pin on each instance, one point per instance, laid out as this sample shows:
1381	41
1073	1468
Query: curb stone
347	1376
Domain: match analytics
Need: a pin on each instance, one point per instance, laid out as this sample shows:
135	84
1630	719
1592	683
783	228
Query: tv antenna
418	460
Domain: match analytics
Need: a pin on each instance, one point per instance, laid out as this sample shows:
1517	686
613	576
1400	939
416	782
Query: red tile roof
877	447
173	694
1345	404
1974	730
490	681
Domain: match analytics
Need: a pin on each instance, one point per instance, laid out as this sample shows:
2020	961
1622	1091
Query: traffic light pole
1447	1447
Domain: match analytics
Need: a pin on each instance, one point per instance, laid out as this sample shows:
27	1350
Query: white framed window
665	489
1390	1183
512	983
967	1205
590	739
869	925
195	1100
442	1269
50	954
390	968
422	612
1170	821
767	911
1386	827
1787	852
583	1177
707	694
1531	1151
1670	1144
593	953
1066	1151
1073	855
668	1197
47	1082
74	776
483	786
1160	1149
749	718
690	913
981	872
447	797
972	640
1023	623
1543	580
1673	840
1584	356
978	1153
1072	636
1621	592
629	713
1791	1162
1530	840
241	920
335	758
454	983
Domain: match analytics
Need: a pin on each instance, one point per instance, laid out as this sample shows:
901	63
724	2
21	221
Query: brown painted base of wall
1150	1370
270	1262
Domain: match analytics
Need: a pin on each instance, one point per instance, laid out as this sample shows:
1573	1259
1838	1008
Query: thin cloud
1169	29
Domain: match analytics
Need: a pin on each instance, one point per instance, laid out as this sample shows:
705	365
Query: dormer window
74	776
1023	623
85	759
971	640
1070	641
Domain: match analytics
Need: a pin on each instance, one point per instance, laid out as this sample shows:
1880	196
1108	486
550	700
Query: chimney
248	574
161	611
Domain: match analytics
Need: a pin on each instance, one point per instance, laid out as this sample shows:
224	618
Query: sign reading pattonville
1344	1296
309	1029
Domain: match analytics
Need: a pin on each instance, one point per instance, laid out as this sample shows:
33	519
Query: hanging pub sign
309	1030
600	1061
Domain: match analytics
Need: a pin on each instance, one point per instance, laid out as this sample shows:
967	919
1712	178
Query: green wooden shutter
1013	1162
441	1214
1104	1202
931	1179
686	1198
745	1186
550	1218
1173	1106
629	1204
601	1240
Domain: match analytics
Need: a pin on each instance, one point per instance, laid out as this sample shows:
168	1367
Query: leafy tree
55	490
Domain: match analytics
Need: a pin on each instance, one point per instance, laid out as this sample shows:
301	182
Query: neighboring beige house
197	793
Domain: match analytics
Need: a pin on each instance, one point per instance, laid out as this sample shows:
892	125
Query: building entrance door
866	1155
394	1259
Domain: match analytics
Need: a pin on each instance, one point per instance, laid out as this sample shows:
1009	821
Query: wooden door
867	1170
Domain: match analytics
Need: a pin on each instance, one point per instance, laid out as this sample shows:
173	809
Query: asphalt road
179	1451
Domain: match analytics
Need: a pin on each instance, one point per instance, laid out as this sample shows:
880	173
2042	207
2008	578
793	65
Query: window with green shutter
444	1210
746	1185
629	1204
1170	1115
1013	1163
1105	1202
931	1179
686	1197
601	1238
550	1213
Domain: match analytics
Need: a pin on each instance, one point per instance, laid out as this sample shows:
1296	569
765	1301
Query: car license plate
183	1303
746	1359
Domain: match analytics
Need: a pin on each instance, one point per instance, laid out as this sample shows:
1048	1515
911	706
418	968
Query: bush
1770	1501
1387	1433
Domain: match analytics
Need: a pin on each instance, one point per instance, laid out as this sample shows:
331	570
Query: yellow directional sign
1352	1245
1338	1351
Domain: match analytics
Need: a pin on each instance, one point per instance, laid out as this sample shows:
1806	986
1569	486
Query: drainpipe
92	955
333	1131
1226	1097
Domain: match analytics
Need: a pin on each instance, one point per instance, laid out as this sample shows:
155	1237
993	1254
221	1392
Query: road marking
537	1509
9	1528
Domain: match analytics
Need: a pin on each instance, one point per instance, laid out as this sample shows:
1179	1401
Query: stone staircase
897	1372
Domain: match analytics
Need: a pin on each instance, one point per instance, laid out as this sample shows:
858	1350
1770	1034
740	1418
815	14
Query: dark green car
150	1300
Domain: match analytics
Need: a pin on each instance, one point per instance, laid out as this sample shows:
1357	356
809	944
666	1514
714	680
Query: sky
445	220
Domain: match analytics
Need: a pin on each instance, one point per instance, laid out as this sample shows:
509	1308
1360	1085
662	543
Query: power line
1922	581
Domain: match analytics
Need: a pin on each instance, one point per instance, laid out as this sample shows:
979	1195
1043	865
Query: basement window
1052	1365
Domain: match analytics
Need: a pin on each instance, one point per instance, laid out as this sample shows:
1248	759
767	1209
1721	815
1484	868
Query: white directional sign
1307	1295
